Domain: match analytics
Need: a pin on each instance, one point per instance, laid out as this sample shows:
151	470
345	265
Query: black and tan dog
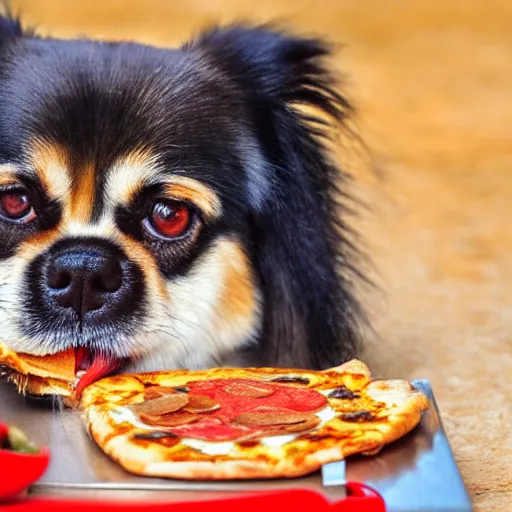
172	208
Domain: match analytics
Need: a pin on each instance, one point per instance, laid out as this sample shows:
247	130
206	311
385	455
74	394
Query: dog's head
171	207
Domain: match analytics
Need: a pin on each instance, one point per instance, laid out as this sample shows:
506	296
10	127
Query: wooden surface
433	82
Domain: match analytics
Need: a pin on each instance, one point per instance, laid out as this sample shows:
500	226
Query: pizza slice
48	375
65	374
246	423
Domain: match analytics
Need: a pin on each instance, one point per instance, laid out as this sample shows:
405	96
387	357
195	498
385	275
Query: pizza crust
30	385
45	375
242	469
406	405
398	413
151	461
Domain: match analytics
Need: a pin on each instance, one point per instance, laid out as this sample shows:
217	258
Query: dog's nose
83	279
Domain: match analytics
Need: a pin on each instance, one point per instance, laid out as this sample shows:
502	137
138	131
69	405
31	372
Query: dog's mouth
91	366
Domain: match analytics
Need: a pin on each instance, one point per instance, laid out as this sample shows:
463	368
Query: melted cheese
392	393
209	447
325	415
277	441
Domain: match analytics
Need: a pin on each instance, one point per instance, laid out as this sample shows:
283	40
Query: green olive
17	441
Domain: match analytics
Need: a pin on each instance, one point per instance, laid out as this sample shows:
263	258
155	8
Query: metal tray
417	473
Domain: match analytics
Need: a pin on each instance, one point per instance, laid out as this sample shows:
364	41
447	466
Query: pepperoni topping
161	405
266	416
201	403
248	389
283	397
172	419
310	422
232	409
156	392
212	429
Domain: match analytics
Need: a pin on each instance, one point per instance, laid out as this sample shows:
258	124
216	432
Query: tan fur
207	329
7	176
37	244
238	303
188	189
238	295
51	164
82	195
147	263
128	175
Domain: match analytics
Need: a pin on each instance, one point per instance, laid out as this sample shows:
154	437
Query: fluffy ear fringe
277	65
10	25
304	252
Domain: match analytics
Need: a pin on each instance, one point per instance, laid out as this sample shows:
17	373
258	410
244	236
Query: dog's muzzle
89	278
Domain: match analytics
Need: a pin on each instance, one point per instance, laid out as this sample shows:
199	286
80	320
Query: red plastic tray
360	499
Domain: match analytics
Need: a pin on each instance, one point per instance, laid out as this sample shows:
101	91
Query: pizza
63	374
36	375
251	423
225	423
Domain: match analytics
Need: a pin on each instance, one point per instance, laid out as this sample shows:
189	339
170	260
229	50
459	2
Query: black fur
229	95
301	251
10	28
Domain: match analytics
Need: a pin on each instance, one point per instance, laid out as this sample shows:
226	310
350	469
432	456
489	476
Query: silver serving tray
417	473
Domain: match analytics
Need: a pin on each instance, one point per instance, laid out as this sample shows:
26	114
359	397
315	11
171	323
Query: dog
174	208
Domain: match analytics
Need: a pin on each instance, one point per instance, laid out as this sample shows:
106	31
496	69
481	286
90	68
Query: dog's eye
15	205
170	220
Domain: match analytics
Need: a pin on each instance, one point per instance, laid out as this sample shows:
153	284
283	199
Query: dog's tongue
93	366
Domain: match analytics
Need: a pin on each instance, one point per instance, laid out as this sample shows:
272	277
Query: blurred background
432	82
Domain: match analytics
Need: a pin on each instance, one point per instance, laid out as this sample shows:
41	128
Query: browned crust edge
33	375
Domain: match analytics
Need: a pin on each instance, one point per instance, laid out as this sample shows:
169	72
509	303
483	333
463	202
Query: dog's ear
10	28
302	249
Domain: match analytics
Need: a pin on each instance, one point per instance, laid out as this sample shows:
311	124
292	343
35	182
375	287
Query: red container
19	470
